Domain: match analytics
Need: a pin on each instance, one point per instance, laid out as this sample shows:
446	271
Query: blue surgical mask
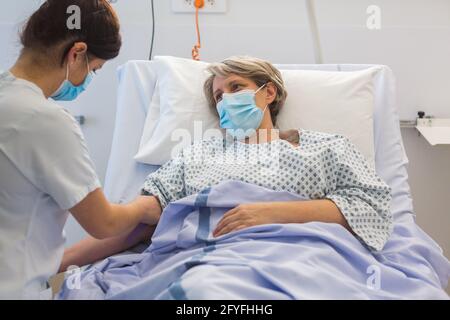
239	114
67	91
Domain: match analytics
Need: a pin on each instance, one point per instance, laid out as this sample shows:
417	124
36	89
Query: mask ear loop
87	61
67	71
260	88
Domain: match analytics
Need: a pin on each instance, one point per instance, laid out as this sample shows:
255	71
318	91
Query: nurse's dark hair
48	29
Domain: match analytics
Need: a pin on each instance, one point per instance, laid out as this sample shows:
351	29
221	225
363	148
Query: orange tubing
196	50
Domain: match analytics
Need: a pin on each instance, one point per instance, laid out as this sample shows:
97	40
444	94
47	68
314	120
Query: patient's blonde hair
257	70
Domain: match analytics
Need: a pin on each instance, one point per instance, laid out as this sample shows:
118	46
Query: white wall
413	41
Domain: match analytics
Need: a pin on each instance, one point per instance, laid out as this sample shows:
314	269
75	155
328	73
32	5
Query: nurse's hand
102	219
151	208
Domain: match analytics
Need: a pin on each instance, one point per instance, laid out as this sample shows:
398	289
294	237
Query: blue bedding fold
291	261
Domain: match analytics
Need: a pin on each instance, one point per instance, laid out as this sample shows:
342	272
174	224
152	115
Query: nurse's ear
76	68
77	54
271	93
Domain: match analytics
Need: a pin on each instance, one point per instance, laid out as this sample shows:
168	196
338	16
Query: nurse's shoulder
45	143
25	113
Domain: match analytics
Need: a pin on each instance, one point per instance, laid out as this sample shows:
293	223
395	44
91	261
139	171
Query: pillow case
178	110
332	102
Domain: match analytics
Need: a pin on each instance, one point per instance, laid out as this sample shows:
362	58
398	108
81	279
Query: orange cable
196	50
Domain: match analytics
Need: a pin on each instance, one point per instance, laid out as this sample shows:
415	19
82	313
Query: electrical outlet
211	6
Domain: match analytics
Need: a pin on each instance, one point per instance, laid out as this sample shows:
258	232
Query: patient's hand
247	215
253	214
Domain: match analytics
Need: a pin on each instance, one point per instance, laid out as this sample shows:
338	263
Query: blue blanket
276	261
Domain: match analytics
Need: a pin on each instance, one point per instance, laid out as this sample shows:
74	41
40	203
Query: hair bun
100	28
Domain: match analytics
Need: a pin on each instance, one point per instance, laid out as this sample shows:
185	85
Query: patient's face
235	83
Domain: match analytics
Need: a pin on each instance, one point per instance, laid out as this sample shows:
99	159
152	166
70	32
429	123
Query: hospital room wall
413	41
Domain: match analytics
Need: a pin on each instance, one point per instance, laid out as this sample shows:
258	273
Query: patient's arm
91	250
253	214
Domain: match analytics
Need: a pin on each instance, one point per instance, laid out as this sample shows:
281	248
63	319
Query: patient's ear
271	93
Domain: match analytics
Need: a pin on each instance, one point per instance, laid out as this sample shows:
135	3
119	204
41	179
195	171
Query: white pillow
178	106
334	102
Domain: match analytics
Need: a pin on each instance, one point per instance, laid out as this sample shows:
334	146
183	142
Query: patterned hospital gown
322	166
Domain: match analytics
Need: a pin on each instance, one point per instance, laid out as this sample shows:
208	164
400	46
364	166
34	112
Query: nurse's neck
30	68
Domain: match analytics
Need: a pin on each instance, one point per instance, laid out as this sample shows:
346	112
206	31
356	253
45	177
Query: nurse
45	169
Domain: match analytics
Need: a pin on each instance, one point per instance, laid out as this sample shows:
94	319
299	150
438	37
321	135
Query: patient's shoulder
308	137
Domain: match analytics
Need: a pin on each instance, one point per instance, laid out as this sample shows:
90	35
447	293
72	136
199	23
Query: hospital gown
322	166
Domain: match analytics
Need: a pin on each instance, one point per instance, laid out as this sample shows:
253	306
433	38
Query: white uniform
45	170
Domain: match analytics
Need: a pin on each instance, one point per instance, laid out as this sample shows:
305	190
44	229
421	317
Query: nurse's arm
91	250
102	219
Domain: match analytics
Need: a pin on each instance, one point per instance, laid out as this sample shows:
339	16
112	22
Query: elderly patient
247	94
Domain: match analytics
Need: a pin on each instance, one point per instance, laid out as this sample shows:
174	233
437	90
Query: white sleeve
51	152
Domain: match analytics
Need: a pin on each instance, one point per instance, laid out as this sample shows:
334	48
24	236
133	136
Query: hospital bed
125	176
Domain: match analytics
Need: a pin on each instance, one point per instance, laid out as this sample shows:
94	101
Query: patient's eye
236	87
